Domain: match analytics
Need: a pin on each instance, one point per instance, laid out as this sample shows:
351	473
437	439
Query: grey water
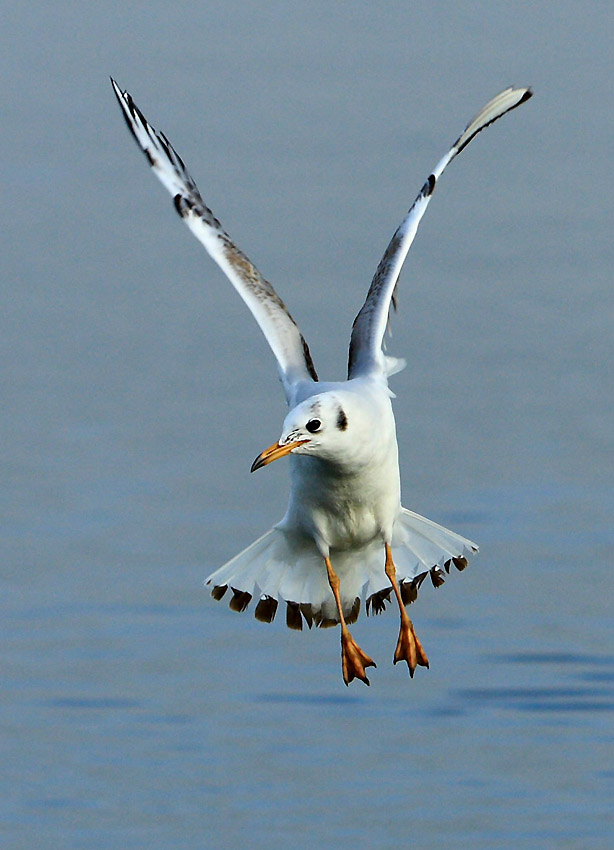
136	711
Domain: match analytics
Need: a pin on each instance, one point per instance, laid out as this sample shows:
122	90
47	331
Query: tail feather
285	566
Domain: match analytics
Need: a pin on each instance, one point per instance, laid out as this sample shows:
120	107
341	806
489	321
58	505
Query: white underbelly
344	512
350	528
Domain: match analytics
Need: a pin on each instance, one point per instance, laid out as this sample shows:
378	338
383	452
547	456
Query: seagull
345	535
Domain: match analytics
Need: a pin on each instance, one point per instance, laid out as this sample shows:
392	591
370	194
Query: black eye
313	425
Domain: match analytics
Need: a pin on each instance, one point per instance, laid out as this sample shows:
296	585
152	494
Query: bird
345	536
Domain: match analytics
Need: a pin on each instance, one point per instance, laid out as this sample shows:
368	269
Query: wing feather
278	326
370	324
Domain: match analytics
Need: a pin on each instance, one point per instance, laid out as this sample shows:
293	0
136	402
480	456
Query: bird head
324	426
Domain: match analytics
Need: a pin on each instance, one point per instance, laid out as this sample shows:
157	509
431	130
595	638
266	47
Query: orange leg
353	659
409	647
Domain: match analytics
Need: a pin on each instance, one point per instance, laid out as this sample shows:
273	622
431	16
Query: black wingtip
526	96
429	186
177	203
116	88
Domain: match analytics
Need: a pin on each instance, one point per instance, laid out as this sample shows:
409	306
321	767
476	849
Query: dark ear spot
342	420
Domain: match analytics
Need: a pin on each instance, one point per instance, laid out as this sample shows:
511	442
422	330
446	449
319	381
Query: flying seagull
345	534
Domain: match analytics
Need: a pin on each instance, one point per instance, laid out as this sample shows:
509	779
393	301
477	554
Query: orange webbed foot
409	648
354	660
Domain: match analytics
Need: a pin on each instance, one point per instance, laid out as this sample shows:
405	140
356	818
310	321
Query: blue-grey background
135	711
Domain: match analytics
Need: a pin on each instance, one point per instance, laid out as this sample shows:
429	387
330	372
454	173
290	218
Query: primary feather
278	326
370	324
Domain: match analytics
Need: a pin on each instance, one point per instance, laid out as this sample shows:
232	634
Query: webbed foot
354	660
409	648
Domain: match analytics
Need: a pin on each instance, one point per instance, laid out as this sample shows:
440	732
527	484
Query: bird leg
409	647
353	659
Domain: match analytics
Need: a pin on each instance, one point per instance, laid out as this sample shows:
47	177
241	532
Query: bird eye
313	425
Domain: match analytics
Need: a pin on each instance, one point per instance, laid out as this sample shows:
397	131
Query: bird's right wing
276	323
366	354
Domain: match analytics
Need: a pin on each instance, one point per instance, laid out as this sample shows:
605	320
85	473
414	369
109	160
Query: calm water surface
135	711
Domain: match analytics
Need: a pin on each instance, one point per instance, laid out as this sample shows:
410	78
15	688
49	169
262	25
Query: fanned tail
283	566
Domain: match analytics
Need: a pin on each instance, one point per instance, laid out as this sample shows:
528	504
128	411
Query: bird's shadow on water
310	699
584	684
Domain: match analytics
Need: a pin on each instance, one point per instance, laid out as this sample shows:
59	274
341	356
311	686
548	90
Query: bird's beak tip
274	452
257	464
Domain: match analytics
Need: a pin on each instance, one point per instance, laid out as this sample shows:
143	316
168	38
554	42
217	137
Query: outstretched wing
276	323
370	324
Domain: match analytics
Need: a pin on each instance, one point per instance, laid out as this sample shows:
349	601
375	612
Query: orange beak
274	452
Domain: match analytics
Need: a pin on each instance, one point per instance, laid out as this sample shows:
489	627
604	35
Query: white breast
340	510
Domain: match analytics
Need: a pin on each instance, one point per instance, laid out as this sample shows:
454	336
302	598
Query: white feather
289	567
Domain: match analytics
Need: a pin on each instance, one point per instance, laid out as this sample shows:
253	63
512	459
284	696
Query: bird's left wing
370	324
276	323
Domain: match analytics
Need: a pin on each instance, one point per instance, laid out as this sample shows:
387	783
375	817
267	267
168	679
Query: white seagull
345	534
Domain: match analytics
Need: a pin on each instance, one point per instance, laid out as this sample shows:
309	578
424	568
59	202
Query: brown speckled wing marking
278	326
